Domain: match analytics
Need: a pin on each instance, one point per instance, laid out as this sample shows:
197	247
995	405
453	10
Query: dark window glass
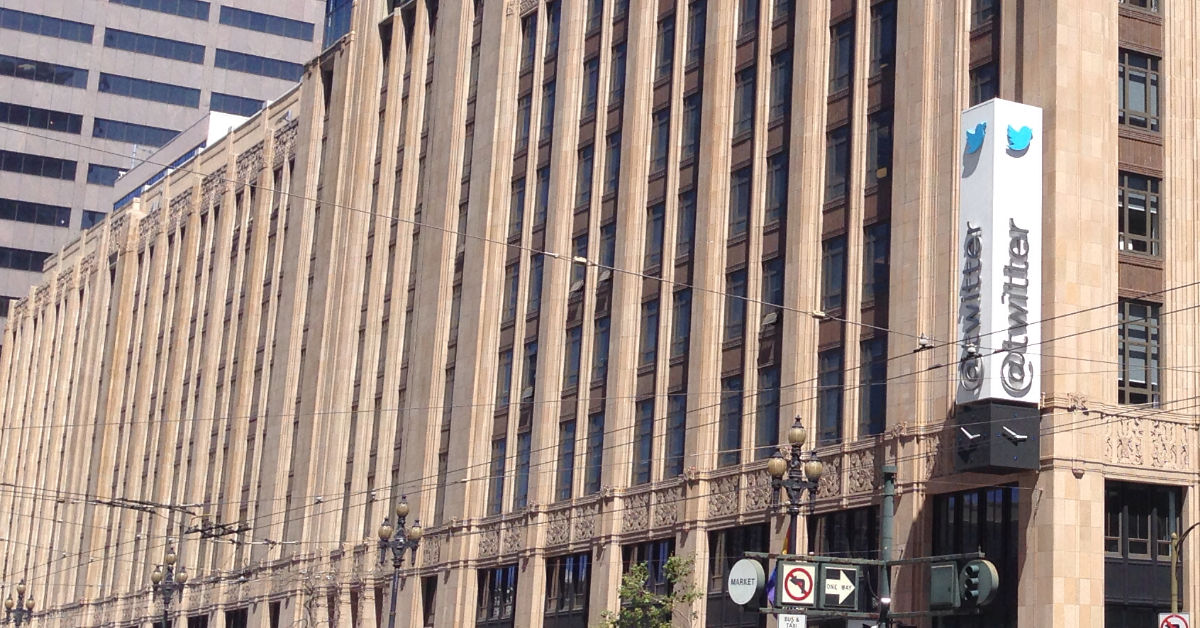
521	482
747	18
783	10
612	164
535	285
841	55
743	102
579	249
837	162
739	203
691	127
568	579
132	133
829	396
516	209
583	182
982	12
45	25
553	27
1137	214
648	349
265	23
772	287
90	218
428	602
833	273
528	41
660	138
676	435
22	259
1138	90
766	438
643	441
735	305
574	346
984	83
156	46
987	520
697	22
38	118
608	244
150	90
548	95
37	165
595	454
879	146
529	371
1145	5
681	328
43	72
729	437
238	106
726	547
620	9
262	66
781	85
511	274
777	188
566	459
186	8
665	51
685	231
591	86
877	246
600	352
1138	336
337	20
541	200
616	81
5	303
524	111
497	597
883	36
595	11
504	378
655	219
103	175
654	554
873	382
35	213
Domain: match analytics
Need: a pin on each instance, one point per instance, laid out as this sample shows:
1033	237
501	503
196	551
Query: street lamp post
167	581
797	473
1176	546
408	538
19	610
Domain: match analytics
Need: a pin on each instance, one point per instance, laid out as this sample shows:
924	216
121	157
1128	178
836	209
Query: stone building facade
561	274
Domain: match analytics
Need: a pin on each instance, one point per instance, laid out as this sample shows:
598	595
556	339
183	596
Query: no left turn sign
797	583
1174	620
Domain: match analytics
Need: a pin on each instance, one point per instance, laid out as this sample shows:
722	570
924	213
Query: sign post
1174	620
797	583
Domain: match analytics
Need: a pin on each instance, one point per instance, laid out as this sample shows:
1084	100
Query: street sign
746	581
792	621
1174	620
841	587
797	581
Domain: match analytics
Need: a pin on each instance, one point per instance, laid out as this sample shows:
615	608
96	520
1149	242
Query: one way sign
841	587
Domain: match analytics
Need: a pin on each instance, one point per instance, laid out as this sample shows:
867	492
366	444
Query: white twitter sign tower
1000	253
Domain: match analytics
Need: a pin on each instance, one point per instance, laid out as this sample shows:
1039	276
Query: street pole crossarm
871	562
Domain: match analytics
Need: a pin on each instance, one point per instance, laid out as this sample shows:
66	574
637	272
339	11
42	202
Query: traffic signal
978	583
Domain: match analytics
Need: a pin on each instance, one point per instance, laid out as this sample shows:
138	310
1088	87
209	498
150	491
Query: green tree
642	608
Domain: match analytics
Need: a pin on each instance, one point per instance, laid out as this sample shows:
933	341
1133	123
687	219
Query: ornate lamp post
167	581
19	610
796	474
407	539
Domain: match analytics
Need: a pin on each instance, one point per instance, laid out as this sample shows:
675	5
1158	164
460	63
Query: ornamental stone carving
65	283
212	188
1123	438
758	491
860	472
559	530
637	512
249	164
181	207
830	484
585	522
285	142
1169	446
41	297
489	541
667	502
521	7
87	265
512	538
724	498
149	226
431	550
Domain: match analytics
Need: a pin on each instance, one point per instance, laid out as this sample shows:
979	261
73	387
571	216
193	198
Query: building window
266	23
783	10
155	46
509	313
747	18
504	378
729	438
1138	522
150	90
876	262
879	146
548	94
648	352
516	209
612	164
236	105
595	454
982	12
428	602
777	188
726	547
568	579
616	81
1145	5
496	474
529	372
591	86
553	27
643	442
735	306
665	48
883	37
595	11
837	163
676	435
608	244
833	273
772	287
38	165
187	8
528	41
781	86
574	347
43	72
579	249
655	218
583	182
681	329
766	439
566	460
98	174
1138	90
697	18
261	66
691	127
987	520
5	303
535	285
131	133
35	213
685	231
541	200
524	112
45	25
524	445
90	218
660	140
1139	340
1137	214
600	352
841	55
22	259
984	83
873	384
497	597
739	203
743	102
654	555
829	396
852	533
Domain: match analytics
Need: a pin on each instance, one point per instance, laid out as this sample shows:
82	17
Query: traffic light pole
885	544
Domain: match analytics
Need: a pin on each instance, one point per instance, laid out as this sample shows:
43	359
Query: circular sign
798	585
1174	620
746	581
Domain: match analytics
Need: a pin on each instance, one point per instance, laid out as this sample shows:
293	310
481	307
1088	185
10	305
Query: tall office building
561	273
92	87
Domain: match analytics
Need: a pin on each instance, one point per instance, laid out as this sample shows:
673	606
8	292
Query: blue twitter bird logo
1018	139
975	138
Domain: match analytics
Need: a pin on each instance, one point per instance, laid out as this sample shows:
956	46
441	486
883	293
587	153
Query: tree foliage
643	608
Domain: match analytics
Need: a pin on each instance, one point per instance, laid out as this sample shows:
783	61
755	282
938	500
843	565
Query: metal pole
1174	576
395	585
886	533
